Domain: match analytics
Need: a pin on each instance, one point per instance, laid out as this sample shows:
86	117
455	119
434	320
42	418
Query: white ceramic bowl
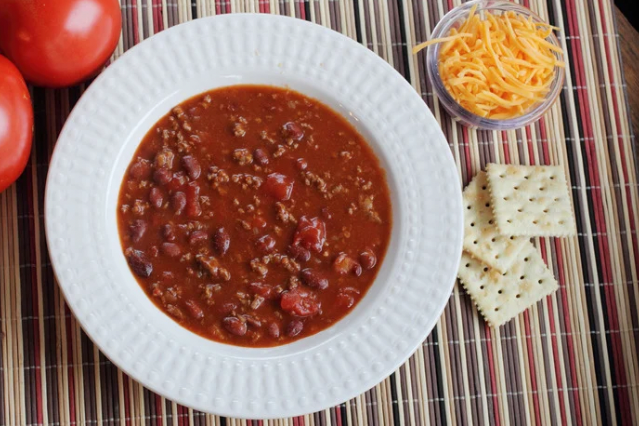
99	139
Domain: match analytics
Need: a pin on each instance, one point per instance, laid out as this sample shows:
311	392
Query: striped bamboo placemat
572	359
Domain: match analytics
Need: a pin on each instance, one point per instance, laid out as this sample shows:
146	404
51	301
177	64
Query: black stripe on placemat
394	400
403	40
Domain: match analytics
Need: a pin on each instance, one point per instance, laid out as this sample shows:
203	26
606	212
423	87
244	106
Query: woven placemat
572	359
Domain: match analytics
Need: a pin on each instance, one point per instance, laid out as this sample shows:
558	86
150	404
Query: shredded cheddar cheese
498	66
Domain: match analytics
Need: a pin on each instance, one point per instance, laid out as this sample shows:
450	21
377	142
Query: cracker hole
491	222
522	277
535	222
518	296
508	220
512	237
532	199
526	177
484	187
485	269
481	287
556	200
541	188
545	211
526	259
561	222
515	188
468	207
473	224
500	291
493	240
552	177
496	309
475	242
502	176
519	210
506	198
539	281
487	205
497	256
467	265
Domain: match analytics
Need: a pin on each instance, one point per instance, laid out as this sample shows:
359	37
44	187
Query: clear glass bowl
454	19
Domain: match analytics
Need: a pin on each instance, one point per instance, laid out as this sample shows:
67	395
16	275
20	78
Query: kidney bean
194	310
294	328
292	130
138	263
162	176
299	253
193	200
266	244
171	249
301	164
197	237
344	300
313	279
261	289
141	169
192	166
155	197
221	241
273	330
368	259
179	202
252	321
178	180
227	308
261	157
137	230
235	326
167	232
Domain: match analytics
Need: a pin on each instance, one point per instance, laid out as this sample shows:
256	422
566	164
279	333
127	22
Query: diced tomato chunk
299	303
310	234
279	186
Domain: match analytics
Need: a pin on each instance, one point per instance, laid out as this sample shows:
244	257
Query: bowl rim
456	110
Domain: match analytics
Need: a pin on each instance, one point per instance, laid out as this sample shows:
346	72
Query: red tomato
16	123
59	43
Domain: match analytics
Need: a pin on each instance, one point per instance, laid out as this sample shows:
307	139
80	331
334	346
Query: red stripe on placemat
532	367
338	413
492	375
505	147
134	21
554	346
125	391
545	144
467	151
158	24
158	409
303	14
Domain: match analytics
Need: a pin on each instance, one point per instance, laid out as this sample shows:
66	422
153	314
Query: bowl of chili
251	227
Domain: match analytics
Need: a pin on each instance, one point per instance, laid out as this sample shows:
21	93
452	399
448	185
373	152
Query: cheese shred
498	67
